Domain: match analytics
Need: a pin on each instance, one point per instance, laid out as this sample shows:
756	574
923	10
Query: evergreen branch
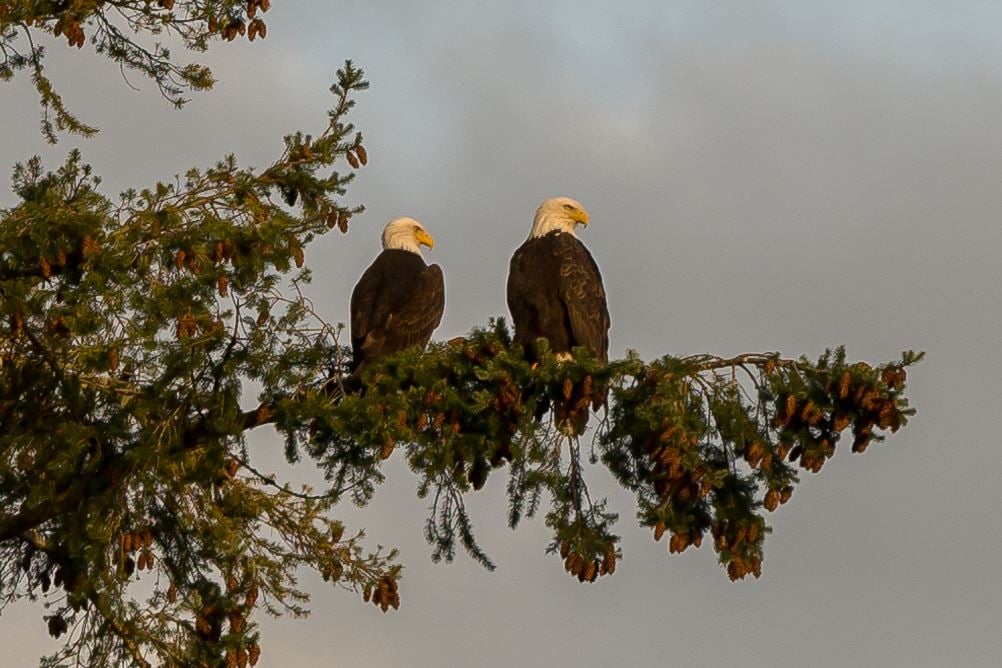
113	29
129	333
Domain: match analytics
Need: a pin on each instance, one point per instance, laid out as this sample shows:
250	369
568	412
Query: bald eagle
399	300
555	290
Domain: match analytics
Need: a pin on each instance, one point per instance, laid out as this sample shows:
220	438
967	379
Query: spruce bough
131	328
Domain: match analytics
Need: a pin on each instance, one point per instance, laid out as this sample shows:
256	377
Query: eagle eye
569	207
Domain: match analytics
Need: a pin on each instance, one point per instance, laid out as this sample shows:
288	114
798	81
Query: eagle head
406	234
558	214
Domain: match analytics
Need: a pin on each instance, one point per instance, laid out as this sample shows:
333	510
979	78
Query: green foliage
707	444
113	29
131	329
128	331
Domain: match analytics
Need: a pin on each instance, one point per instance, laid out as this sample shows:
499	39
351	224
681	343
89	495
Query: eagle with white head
399	300
555	290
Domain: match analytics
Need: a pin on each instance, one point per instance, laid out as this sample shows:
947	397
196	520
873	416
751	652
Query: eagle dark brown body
555	292
397	303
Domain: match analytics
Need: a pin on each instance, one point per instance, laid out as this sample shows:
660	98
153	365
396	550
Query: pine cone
659	530
253	653
569	563
387	448
568	388
845	383
771	501
610	560
237	621
565	548
251	598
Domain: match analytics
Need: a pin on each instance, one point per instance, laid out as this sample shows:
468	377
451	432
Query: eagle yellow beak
424	238
580	216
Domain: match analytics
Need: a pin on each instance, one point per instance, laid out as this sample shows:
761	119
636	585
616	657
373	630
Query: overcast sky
760	176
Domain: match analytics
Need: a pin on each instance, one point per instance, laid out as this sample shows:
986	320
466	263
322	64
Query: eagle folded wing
583	296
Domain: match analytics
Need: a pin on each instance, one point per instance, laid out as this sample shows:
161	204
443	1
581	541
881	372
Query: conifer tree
130	329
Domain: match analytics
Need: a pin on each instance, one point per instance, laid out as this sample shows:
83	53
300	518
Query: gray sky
761	176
